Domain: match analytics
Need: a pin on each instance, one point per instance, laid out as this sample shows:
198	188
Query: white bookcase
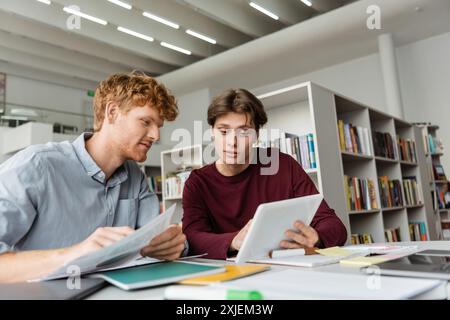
172	162
434	158
310	108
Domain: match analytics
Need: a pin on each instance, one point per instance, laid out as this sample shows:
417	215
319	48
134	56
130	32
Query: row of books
363	238
155	184
413	191
407	149
392	235
390	192
441	197
354	139
439	173
300	147
174	184
360	194
383	145
418	231
433	145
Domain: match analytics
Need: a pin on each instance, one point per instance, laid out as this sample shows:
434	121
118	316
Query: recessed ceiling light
263	10
135	34
307	2
171	46
85	16
161	20
121	4
47	2
201	36
280	91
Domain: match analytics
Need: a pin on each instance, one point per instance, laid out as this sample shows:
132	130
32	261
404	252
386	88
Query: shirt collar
92	169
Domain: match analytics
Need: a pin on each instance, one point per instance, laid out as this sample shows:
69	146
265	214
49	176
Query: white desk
111	292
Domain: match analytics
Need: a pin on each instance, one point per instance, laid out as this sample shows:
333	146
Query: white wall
425	79
28	92
192	107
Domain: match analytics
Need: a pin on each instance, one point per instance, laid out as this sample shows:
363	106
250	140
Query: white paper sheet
304	284
119	253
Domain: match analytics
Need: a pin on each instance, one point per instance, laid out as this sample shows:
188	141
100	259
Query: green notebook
157	274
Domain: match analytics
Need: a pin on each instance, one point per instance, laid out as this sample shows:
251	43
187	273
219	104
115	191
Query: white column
390	75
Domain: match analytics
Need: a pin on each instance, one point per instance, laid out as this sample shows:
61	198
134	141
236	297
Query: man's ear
211	131
111	111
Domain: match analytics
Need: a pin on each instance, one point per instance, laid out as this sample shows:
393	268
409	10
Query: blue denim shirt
55	195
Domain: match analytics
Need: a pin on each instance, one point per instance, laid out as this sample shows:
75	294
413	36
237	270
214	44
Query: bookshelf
176	164
309	108
433	152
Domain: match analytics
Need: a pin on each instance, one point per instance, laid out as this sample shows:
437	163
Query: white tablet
270	222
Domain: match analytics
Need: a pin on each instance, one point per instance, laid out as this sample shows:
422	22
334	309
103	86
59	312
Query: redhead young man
60	201
220	199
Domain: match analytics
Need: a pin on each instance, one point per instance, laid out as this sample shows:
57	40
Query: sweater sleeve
330	228
197	225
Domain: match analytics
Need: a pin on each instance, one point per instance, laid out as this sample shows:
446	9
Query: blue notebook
157	274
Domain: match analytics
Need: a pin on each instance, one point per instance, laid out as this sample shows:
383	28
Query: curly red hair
133	90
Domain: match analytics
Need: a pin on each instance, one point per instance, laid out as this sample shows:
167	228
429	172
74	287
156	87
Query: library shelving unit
309	108
433	154
176	163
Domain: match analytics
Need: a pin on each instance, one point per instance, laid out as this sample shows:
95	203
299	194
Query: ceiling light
47	2
307	2
85	16
121	4
171	46
161	20
263	10
280	91
201	36
135	34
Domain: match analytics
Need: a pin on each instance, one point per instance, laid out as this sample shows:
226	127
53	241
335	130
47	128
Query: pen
182	292
286	253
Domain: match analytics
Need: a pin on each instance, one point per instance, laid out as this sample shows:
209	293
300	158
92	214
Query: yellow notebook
232	272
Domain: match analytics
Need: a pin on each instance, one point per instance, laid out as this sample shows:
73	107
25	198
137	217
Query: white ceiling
35	35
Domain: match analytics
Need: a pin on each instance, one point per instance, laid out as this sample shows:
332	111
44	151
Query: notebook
231	273
157	274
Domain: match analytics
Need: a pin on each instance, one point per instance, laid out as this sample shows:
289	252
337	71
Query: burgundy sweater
217	207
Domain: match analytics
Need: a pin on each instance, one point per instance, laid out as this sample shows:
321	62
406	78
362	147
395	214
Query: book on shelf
155	184
413	191
363	238
390	192
439	173
433	145
442	197
174	183
354	139
407	150
383	145
445	224
301	148
418	231
360	194
392	235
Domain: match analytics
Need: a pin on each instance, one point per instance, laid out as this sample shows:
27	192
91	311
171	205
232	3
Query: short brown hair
239	101
131	90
